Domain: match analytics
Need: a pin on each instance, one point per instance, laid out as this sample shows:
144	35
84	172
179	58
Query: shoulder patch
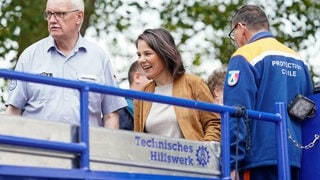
233	77
13	85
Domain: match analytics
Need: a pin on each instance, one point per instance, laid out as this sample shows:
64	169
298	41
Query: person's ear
243	29
245	33
136	77
80	16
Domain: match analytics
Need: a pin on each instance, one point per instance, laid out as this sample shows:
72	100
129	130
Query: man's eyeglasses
231	36
58	15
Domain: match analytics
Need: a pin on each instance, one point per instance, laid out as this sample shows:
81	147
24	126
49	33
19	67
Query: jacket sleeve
141	109
135	115
210	121
240	88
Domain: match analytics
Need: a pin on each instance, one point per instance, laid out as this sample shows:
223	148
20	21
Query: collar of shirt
81	44
260	35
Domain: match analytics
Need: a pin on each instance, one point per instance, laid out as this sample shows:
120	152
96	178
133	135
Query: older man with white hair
65	54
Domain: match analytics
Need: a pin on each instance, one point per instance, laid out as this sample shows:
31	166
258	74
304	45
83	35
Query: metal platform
110	150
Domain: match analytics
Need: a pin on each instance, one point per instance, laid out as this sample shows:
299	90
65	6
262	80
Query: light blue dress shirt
87	62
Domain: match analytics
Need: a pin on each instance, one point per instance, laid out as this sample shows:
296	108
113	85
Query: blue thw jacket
260	74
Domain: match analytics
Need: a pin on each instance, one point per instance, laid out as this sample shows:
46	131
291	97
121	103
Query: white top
162	119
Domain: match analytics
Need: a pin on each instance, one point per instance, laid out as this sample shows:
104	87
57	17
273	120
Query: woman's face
149	61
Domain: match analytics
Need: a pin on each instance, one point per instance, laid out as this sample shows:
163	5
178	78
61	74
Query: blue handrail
83	147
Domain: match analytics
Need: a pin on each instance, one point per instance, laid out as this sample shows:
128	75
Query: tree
294	23
199	27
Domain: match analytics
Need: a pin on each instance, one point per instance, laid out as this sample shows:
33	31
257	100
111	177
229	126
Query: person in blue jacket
261	72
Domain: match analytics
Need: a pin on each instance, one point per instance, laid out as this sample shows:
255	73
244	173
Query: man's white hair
78	4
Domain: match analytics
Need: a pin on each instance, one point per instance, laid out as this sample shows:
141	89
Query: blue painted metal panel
310	163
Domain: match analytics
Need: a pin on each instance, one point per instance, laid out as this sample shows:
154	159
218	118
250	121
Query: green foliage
303	20
21	25
31	23
89	10
9	15
200	27
22	22
197	16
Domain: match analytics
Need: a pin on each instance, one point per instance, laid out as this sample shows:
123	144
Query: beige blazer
194	124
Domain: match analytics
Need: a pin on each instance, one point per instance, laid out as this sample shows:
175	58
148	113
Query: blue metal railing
83	146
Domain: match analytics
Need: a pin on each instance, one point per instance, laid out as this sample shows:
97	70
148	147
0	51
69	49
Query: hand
234	175
12	110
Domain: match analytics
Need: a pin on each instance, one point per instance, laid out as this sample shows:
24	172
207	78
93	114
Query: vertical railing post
225	146
84	127
282	142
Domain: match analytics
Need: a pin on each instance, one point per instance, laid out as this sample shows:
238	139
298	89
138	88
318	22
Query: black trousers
267	173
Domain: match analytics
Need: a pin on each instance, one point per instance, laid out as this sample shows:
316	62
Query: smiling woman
161	61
